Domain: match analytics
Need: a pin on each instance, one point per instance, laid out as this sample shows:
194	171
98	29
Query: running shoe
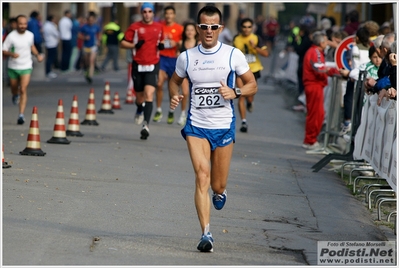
250	107
219	200
21	120
171	118
299	108
145	132
345	129
89	79
51	75
182	120
139	118
15	99
244	127
313	146
157	117
206	243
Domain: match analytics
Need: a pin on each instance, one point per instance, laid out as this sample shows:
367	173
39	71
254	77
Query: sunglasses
246	27
147	11
213	27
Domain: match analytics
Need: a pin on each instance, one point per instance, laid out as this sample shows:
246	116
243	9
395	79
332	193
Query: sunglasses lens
203	27
214	27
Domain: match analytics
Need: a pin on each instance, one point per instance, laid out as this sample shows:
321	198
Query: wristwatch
237	90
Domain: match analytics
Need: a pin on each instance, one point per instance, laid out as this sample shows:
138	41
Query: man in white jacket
51	40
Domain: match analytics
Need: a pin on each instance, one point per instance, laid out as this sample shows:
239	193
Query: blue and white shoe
206	243
219	200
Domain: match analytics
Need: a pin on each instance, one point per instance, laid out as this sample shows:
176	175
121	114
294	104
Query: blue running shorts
168	65
216	137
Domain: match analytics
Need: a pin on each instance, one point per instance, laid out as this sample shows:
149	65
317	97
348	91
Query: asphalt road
109	198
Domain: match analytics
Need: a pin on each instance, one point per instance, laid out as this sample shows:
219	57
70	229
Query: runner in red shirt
173	33
270	29
144	38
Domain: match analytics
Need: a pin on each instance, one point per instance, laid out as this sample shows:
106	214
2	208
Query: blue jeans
51	58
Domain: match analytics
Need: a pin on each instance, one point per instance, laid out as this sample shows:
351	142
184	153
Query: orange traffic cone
5	164
59	134
129	97
90	118
33	143
106	104
73	123
130	89
116	104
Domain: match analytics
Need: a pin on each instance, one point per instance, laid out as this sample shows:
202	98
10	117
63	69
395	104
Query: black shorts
144	78
257	75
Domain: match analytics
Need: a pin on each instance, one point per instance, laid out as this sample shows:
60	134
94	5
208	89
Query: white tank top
205	68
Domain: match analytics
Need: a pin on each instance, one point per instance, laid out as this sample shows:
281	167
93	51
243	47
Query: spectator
377	86
111	37
359	52
51	40
308	20
391	92
336	38
34	25
352	20
315	75
301	44
385	28
326	27
373	29
65	27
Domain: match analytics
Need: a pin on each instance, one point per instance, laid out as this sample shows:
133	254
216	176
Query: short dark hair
92	14
364	36
372	50
209	11
50	17
169	8
66	12
34	14
247	20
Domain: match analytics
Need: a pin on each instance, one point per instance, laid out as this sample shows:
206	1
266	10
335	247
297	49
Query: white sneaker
139	118
52	75
182	119
345	129
313	146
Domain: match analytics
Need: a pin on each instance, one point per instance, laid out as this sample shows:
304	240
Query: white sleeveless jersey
205	68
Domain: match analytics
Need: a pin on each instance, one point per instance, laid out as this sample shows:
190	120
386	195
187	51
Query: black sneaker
89	79
21	120
244	127
145	132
